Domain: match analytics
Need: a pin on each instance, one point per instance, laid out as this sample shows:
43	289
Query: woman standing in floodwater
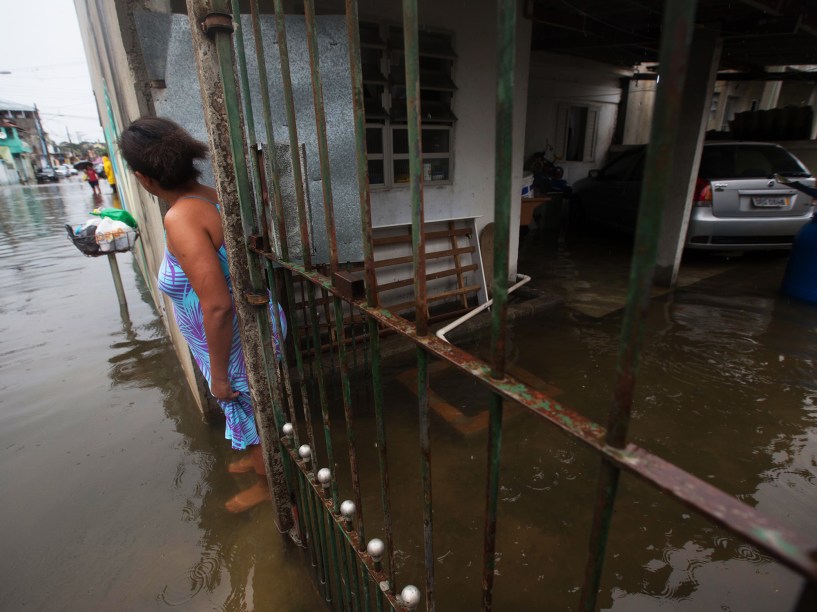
194	275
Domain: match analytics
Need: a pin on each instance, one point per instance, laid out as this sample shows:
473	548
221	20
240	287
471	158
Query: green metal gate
353	572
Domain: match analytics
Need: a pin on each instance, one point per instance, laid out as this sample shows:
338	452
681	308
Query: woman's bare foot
252	460
243	465
248	498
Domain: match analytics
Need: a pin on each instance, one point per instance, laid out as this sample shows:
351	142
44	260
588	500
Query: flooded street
113	486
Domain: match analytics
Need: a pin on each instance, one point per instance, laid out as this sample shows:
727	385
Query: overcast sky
42	49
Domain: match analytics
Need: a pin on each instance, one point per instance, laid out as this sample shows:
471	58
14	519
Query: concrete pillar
771	90
704	59
812	102
723	99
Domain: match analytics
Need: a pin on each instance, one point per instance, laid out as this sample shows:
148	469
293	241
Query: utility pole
44	161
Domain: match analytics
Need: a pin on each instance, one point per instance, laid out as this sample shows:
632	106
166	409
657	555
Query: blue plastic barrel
800	280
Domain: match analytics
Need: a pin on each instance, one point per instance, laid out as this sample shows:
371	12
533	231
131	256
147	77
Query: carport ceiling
756	33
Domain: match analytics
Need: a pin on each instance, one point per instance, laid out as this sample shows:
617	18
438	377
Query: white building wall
559	81
101	24
639	113
473	25
8	176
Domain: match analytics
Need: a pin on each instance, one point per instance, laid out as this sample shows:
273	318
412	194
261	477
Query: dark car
737	203
46	174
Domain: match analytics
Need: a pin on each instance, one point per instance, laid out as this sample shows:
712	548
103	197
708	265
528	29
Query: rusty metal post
503	164
222	111
117	282
676	36
412	59
320	125
373	329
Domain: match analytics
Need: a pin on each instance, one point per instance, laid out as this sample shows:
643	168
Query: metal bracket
349	285
217	22
256	299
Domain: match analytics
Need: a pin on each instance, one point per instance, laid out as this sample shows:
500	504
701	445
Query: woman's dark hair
162	150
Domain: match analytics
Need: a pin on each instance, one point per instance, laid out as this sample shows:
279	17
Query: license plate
769	202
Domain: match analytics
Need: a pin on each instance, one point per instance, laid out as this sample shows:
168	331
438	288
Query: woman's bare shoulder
194	214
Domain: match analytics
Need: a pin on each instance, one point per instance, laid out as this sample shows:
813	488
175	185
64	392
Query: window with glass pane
399	141
377	174
401	171
384	76
374	140
435	169
436	141
375	153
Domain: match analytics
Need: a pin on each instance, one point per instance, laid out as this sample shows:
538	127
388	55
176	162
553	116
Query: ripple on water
684	563
203	575
751	554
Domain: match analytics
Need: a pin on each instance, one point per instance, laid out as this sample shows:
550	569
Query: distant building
15	155
27	118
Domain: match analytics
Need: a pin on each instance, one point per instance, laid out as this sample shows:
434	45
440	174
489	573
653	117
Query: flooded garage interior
722	392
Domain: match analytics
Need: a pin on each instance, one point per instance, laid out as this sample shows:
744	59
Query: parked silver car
737	203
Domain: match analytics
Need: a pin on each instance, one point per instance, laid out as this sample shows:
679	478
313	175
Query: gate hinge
217	22
256	299
254	241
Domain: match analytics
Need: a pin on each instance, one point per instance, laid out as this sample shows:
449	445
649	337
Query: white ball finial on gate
348	509
325	477
375	548
410	596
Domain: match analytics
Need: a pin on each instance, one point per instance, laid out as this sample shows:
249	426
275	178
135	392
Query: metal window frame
404	156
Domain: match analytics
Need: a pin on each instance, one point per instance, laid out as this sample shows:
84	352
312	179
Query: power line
69	116
43	67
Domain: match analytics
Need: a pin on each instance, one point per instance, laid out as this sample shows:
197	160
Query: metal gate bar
225	129
320	125
362	171
316	490
326	575
294	142
503	166
412	62
256	177
676	37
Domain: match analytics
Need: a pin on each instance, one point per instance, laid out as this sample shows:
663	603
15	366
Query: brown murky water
113	486
726	390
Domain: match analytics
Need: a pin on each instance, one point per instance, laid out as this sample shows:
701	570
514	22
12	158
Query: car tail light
703	193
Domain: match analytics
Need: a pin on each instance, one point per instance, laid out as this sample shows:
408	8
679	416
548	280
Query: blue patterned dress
240	430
